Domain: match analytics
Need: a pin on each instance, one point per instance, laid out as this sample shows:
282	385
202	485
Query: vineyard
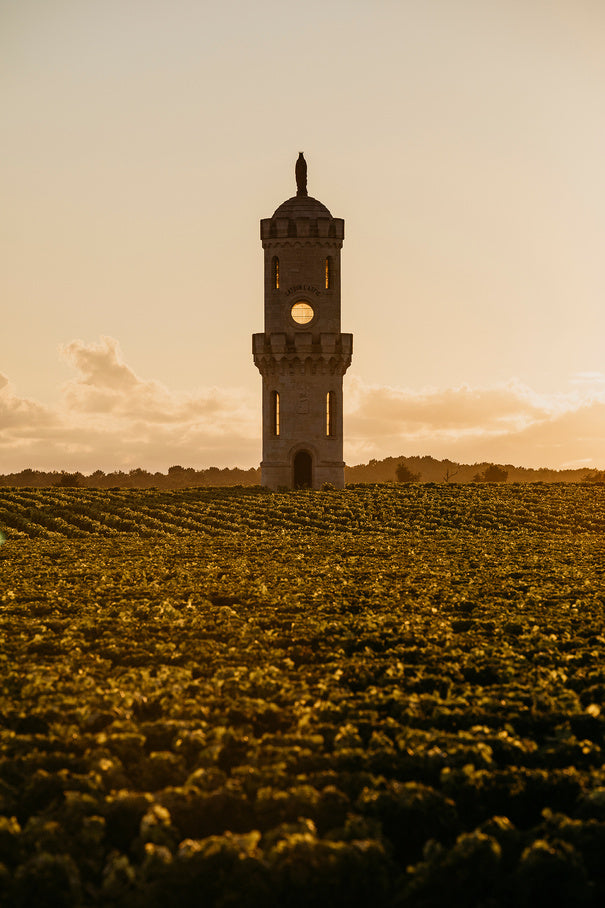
388	695
419	509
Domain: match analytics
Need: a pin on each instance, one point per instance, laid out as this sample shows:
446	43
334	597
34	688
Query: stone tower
302	354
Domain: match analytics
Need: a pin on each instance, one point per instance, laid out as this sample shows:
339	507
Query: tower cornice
312	364
316	243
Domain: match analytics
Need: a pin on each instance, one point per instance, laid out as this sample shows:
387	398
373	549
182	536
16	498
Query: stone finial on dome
301	175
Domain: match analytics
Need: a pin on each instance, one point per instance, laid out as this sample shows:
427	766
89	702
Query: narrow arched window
275	413
330	413
328	270
275	272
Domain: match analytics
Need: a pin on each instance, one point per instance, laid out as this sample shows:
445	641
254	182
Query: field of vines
387	696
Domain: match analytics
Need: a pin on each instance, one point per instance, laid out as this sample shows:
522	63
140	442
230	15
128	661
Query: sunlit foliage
372	696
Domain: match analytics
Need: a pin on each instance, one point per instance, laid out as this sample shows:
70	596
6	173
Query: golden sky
463	141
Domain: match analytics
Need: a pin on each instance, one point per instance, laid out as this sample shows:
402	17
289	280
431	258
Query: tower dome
301	206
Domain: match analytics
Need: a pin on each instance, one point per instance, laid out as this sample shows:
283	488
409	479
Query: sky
463	142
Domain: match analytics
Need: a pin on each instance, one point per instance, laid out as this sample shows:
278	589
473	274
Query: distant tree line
429	469
492	473
391	469
177	477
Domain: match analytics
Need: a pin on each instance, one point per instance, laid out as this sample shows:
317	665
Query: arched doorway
303	470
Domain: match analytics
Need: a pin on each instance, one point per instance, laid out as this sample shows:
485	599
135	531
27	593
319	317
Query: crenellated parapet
301	227
276	354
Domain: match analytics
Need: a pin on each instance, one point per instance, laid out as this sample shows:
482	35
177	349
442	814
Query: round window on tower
302	313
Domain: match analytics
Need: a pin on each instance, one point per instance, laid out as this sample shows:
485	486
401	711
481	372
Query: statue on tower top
301	175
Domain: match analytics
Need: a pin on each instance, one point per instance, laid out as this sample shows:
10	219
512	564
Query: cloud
508	423
594	380
456	411
18	415
106	387
109	417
